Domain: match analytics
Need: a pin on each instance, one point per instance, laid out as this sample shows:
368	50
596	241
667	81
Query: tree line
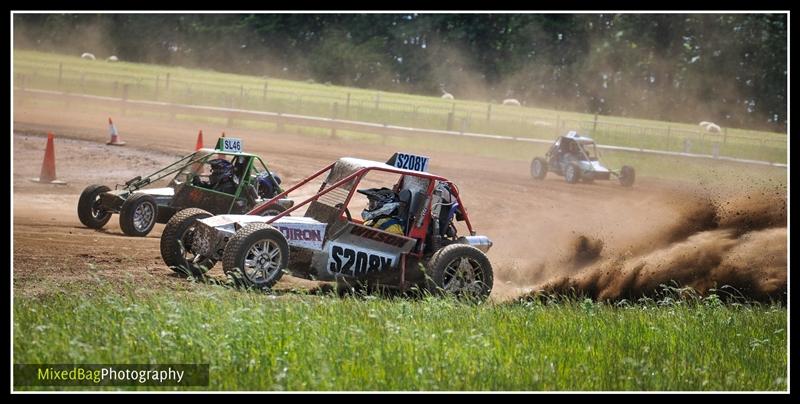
726	68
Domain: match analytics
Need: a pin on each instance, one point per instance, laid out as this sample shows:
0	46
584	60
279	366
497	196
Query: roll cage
185	169
418	224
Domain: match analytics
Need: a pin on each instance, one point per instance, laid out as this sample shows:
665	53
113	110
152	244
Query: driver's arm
198	182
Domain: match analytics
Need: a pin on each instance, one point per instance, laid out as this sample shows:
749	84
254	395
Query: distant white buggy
575	158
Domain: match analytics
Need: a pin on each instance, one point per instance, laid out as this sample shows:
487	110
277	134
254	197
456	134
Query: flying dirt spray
739	243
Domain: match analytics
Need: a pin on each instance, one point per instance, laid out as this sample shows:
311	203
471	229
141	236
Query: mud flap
184	267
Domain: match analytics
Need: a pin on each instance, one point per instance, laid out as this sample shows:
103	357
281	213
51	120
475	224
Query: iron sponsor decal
352	261
303	235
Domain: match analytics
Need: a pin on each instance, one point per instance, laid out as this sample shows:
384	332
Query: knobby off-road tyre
572	174
460	270
137	217
256	256
89	211
176	244
627	175
538	168
273	210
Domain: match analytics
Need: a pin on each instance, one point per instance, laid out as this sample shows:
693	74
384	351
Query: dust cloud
737	241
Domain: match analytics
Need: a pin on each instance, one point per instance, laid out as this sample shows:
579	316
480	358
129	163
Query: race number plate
352	261
230	144
409	162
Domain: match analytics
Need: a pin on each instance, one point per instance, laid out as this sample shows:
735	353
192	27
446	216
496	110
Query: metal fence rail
393	109
333	124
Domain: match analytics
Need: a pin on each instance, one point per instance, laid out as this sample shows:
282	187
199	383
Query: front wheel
538	168
627	175
177	240
572	173
138	215
256	256
460	270
90	212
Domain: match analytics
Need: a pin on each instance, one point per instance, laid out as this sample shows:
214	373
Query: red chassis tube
357	174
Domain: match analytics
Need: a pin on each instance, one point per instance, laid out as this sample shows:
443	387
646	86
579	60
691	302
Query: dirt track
534	225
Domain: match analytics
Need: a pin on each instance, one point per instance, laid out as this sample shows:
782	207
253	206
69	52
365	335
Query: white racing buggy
575	157
421	248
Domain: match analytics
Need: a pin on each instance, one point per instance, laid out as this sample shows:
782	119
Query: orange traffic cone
199	141
115	139
48	173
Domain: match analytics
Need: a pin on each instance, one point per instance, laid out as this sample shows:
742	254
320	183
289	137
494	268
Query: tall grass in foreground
255	341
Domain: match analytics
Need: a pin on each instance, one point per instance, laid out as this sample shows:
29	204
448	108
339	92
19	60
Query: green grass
195	86
254	341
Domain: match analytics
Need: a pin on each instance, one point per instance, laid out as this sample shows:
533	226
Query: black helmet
267	187
221	170
573	147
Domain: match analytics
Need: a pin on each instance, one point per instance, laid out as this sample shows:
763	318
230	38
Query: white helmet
382	202
387	209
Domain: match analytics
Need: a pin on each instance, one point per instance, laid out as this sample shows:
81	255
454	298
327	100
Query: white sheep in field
88	56
445	94
112	58
511	101
710	127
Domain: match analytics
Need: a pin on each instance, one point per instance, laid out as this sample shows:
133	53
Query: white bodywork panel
158	191
303	232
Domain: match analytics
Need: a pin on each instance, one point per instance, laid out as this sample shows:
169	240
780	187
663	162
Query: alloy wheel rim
463	275
262	261
143	216
97	210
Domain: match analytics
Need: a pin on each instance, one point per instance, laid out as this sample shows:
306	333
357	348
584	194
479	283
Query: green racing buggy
221	180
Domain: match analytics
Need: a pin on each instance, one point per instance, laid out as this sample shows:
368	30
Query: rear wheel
460	270
137	217
627	175
572	173
256	256
176	243
538	168
90	212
